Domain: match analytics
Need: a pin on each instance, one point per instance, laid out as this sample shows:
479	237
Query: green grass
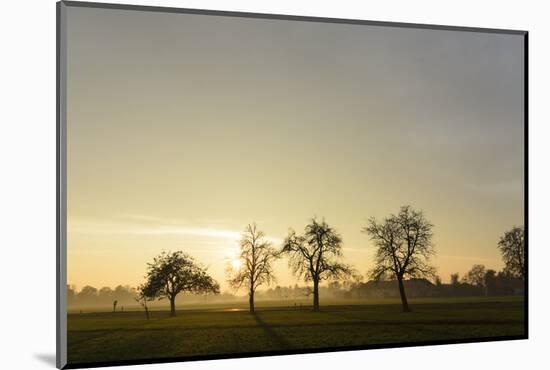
216	329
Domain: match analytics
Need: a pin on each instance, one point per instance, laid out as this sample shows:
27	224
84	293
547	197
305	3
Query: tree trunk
403	296
315	295
173	306
251	301
146	312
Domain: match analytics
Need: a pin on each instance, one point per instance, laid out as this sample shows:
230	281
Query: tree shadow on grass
277	339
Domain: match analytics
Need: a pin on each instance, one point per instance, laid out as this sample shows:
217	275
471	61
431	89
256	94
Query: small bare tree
144	294
315	255
404	243
256	257
512	247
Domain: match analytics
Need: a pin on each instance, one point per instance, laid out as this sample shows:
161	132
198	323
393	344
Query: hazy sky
184	128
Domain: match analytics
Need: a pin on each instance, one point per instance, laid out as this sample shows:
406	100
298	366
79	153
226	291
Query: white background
27	193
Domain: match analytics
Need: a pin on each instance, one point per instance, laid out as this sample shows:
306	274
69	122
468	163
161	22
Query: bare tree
172	273
512	248
144	294
404	243
315	255
256	257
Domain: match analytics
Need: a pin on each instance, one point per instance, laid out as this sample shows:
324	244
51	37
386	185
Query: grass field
228	329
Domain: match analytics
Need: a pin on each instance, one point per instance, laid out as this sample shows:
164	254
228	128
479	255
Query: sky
182	129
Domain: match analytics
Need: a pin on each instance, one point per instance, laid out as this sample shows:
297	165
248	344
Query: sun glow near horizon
209	245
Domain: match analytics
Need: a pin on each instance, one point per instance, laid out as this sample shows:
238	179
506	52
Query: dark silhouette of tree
114	305
404	247
144	294
455	279
489	280
315	255
172	273
256	257
476	276
512	248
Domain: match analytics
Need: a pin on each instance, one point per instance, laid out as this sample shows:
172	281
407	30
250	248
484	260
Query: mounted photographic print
235	184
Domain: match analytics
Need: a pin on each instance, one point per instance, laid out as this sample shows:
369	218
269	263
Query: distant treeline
500	285
125	295
494	284
477	282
